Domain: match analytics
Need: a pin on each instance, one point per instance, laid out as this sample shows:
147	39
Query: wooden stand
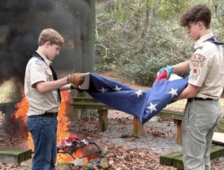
102	120
179	131
90	103
138	129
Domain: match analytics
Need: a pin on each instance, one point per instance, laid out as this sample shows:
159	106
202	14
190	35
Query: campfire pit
74	146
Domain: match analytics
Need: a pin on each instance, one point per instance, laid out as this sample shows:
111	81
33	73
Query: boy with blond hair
205	86
42	90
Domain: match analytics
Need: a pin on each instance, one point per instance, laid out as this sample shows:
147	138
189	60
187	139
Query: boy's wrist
71	86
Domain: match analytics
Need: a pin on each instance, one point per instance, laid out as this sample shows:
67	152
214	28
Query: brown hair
195	14
51	35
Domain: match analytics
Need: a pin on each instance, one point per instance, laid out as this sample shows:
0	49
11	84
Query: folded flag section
141	103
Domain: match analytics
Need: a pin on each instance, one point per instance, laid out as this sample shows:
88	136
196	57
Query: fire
63	122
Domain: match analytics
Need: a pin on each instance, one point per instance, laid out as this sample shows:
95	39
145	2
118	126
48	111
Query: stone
104	152
63	166
78	162
89	166
27	164
102	165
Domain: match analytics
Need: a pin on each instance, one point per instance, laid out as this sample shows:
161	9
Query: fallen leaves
120	157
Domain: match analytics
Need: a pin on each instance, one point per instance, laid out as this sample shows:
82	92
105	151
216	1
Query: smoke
20	25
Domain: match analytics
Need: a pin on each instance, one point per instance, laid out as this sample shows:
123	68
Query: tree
88	41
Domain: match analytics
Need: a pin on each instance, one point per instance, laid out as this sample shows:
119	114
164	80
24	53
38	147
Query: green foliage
140	37
141	70
171	9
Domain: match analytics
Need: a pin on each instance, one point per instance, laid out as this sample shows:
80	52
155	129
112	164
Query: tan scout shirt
37	70
207	69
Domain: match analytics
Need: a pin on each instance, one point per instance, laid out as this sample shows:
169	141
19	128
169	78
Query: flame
84	151
63	122
62	132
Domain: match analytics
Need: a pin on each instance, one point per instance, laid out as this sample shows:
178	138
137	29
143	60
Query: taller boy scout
205	86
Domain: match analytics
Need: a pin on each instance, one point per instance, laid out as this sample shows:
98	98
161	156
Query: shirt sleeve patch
38	62
195	72
197	60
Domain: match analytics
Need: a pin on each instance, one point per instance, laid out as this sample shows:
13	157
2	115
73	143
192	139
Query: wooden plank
75	114
87	103
218	138
84	99
179	131
178	162
221	120
102	120
171	115
138	129
217	151
90	105
220	126
14	155
168	158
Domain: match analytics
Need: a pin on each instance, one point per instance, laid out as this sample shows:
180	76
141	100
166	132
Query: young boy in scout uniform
205	86
42	90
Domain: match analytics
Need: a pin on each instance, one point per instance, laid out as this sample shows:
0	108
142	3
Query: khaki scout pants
199	123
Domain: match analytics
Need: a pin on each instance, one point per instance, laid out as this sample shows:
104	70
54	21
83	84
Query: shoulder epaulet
200	47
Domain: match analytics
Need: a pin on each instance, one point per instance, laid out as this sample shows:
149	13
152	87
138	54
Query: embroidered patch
39	69
38	62
51	77
195	70
197	60
195	73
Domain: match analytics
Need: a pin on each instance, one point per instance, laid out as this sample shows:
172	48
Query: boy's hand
76	79
168	68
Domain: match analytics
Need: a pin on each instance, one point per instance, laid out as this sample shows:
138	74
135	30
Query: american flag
141	103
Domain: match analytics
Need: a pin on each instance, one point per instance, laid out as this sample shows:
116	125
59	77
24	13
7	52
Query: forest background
138	37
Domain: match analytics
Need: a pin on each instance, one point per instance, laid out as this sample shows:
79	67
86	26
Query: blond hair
51	35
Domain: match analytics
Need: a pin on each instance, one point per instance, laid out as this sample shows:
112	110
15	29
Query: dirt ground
126	151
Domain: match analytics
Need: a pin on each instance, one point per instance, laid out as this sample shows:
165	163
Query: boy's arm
68	87
189	92
181	67
178	68
48	86
65	87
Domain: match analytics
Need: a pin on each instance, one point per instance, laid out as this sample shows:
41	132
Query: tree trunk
88	42
88	48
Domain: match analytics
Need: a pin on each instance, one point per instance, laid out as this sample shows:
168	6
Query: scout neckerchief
35	54
213	40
